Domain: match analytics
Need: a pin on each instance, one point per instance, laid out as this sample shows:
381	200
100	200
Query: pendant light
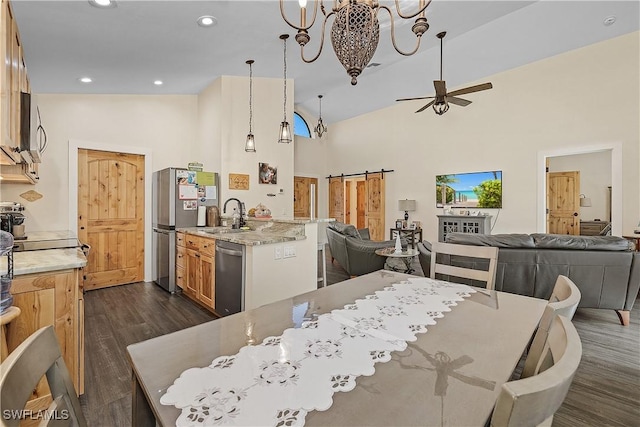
284	137
320	128
250	144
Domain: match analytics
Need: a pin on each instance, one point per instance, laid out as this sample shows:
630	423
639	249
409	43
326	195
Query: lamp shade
585	201
406	205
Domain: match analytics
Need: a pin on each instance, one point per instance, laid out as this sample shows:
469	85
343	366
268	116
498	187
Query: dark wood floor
605	390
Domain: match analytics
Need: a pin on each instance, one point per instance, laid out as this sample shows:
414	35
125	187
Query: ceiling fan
442	99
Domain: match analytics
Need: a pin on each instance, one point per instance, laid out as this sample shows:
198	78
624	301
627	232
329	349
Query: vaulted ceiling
125	48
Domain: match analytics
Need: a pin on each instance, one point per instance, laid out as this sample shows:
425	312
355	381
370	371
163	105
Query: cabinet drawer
208	246
192	242
180	241
180	276
181	256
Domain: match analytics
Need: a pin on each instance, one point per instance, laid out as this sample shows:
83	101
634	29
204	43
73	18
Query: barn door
563	202
374	216
111	216
361	197
336	199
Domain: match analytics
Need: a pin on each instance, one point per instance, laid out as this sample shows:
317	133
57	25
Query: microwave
33	137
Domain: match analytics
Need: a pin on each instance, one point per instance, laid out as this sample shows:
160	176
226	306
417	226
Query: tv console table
463	224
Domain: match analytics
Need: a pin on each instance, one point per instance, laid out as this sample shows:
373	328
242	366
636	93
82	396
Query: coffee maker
10	216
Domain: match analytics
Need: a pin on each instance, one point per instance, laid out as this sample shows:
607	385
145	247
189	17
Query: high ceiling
125	48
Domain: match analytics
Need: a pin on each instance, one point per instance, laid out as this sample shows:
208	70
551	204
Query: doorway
365	197
111	216
302	197
74	146
612	197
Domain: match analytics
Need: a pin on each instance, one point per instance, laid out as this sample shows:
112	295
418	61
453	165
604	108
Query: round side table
405	256
5	318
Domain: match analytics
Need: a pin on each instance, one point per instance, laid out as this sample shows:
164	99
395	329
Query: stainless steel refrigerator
176	197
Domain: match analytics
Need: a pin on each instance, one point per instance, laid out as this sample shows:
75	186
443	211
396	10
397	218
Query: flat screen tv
469	190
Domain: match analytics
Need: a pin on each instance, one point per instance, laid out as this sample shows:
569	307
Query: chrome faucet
240	208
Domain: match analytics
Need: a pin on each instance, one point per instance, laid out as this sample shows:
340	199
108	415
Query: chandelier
355	30
320	128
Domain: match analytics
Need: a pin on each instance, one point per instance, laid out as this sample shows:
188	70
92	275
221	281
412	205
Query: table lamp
585	201
406	205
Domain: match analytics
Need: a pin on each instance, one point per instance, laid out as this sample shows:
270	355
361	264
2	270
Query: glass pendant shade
285	133
284	136
250	144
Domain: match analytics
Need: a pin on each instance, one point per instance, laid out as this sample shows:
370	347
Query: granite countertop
293	221
248	237
38	236
44	261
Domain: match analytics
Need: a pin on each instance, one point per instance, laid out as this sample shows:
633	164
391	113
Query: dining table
382	349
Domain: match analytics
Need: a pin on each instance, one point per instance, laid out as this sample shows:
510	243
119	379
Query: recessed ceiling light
85	79
609	20
207	21
103	3
158	82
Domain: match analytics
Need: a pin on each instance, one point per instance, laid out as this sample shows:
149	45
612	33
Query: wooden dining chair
441	254
564	301
21	371
533	401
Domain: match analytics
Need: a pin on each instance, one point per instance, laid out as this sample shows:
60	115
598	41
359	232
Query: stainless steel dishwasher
230	267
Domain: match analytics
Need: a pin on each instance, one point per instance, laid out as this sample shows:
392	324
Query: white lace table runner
277	382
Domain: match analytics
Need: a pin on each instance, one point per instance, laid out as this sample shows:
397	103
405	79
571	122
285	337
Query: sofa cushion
593	243
496	240
346	229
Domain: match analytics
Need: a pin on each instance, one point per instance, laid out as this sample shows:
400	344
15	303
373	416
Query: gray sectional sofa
605	268
354	250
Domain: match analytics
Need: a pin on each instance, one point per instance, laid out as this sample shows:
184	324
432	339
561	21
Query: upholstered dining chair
442	252
20	372
564	301
533	401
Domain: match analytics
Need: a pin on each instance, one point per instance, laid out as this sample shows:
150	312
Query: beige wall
164	124
595	177
585	97
223	125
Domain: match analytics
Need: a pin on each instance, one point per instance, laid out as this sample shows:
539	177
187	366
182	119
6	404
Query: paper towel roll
202	216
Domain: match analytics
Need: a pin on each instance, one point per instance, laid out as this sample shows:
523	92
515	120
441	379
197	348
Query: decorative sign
238	181
31	196
195	166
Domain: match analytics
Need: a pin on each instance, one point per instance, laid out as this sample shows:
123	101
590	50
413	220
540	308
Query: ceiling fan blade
458	101
426	106
471	89
412	99
441	87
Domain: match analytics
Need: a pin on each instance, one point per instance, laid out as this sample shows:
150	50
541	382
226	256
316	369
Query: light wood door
302	196
111	216
361	203
347	202
563	202
336	199
374	216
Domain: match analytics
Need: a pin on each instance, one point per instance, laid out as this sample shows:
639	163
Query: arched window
300	126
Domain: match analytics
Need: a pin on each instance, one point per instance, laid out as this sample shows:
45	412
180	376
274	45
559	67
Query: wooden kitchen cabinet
51	299
13	80
195	268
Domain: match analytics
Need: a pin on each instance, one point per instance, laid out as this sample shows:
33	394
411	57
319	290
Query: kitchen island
280	257
47	287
